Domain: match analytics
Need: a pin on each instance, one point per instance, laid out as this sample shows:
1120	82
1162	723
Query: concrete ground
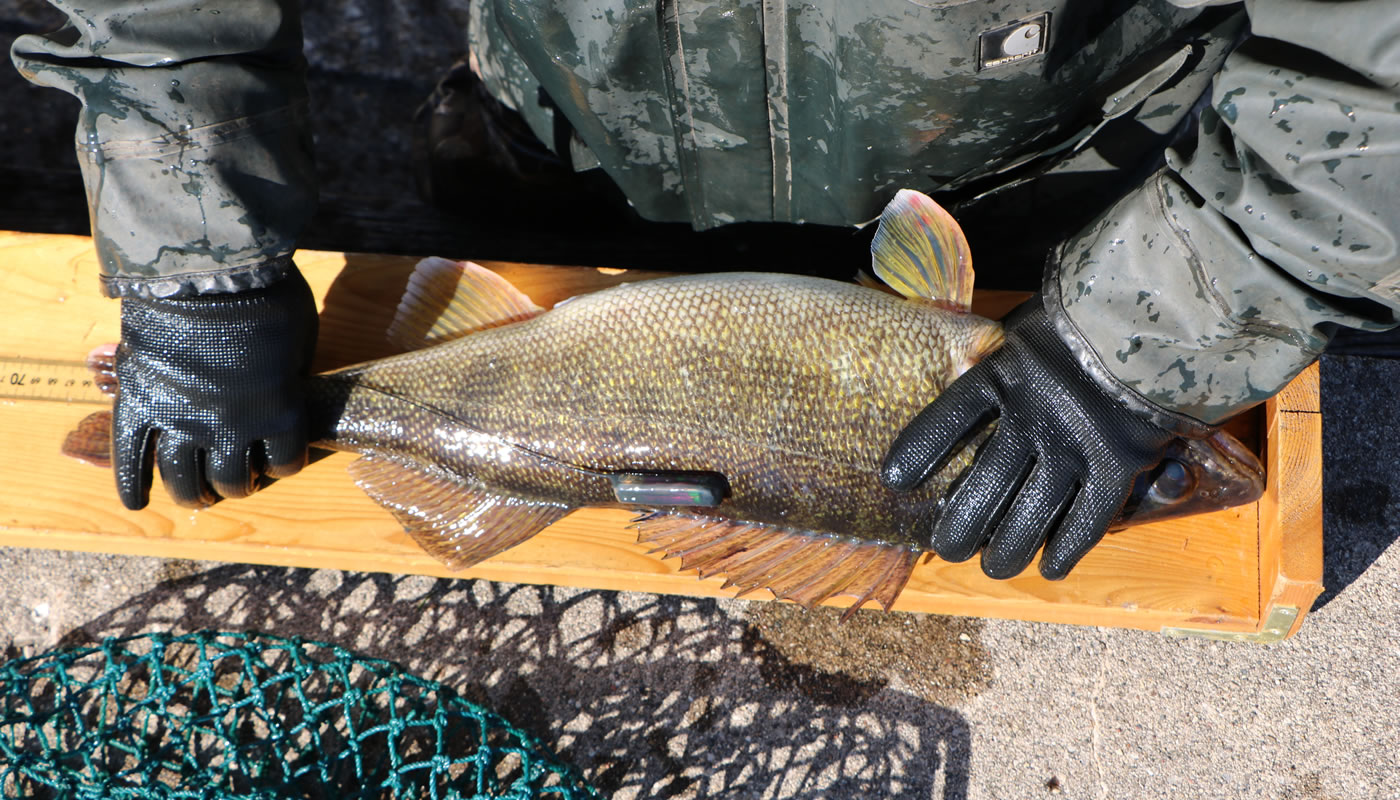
664	697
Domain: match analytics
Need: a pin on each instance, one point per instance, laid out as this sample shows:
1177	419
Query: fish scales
792	387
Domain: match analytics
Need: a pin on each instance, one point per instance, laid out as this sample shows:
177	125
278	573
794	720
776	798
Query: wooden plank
1303	394
1202	572
1290	559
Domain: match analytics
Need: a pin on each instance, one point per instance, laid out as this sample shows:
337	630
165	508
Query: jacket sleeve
192	139
1208	288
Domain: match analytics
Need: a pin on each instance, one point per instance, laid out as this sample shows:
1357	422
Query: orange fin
921	251
449	299
457	521
91	441
806	568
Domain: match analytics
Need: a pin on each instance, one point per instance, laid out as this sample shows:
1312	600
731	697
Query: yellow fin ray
920	251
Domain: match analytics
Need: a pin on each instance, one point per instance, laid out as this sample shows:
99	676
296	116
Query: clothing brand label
1015	42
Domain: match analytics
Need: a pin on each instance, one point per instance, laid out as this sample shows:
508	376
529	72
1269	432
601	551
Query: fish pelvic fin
102	362
803	567
457	521
91	441
446	300
920	251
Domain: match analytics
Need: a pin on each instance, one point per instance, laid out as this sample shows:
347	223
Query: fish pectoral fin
800	566
921	252
457	521
446	299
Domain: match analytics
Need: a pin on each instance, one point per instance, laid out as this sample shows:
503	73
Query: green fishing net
226	715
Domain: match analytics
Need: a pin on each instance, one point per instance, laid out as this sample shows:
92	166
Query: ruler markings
47	379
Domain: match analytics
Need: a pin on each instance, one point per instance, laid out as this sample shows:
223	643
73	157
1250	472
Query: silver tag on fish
669	488
1015	42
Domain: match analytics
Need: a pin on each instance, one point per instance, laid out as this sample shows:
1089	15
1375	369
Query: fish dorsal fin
448	299
920	251
456	521
795	565
869	281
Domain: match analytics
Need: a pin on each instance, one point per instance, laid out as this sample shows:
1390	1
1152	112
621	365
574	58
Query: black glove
211	388
1057	469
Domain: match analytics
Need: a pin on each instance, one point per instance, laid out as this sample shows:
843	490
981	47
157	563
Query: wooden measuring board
1249	572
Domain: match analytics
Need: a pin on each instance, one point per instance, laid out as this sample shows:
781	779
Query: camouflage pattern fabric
192	139
1213	284
1200	292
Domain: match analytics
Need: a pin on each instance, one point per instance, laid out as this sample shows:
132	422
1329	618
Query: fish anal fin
800	566
832	575
458	522
709	560
883	578
921	251
446	299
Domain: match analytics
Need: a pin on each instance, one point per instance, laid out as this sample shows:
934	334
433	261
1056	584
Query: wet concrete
936	658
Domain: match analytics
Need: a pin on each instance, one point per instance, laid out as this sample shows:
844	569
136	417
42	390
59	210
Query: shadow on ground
648	696
1361	446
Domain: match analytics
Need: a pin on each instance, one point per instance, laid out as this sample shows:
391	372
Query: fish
742	416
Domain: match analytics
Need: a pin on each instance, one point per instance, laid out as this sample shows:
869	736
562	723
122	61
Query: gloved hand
210	388
1056	470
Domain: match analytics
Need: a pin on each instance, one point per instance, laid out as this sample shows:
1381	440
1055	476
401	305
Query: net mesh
213	715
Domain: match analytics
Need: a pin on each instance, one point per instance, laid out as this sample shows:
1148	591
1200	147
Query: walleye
744	415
